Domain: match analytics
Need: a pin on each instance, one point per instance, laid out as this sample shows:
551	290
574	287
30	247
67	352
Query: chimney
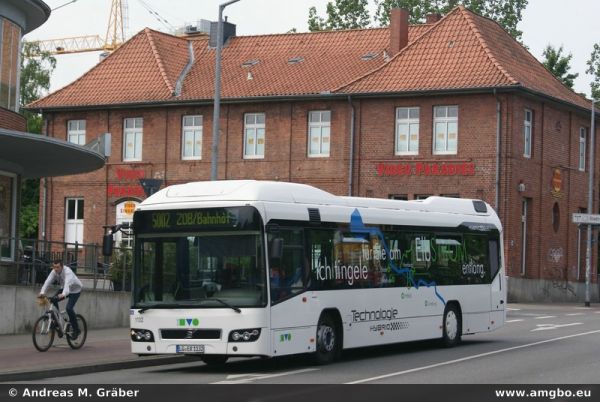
398	30
432	18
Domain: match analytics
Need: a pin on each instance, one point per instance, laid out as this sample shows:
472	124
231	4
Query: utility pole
217	102
588	254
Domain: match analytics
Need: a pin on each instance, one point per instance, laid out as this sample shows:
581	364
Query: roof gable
448	56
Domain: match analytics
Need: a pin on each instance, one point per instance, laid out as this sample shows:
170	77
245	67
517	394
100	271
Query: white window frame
76	132
191	137
582	148
12	216
527	133
321	128
76	223
136	132
252	133
445	120
410	122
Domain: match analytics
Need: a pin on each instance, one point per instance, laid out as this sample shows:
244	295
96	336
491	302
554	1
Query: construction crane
115	35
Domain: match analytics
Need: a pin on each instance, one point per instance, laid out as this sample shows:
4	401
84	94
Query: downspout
351	160
498	127
44	192
185	71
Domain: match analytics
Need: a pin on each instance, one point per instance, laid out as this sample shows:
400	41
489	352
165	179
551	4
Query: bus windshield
199	259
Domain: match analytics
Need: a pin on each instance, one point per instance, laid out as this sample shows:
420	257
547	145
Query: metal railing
33	261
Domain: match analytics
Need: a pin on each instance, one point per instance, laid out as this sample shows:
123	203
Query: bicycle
54	322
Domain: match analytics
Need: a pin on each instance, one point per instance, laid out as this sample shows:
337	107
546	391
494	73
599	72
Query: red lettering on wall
125	191
425	169
130	174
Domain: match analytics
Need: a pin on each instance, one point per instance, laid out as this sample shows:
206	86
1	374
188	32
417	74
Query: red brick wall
11	120
550	254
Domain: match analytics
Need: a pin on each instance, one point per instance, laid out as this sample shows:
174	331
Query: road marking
261	377
495	352
515	320
545	327
513	309
544	317
572	314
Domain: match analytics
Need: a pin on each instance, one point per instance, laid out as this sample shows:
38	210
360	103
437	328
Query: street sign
586	219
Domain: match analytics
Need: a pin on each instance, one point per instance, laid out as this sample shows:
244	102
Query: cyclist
70	288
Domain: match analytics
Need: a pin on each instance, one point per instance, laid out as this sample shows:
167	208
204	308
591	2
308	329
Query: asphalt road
540	344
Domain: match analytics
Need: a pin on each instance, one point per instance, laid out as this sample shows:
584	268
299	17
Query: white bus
257	268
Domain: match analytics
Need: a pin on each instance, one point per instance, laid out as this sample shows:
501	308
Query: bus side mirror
276	247
107	245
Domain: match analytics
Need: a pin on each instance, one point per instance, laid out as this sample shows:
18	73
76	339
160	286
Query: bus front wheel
328	340
452	326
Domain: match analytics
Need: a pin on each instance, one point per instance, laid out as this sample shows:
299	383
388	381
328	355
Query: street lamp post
217	102
588	254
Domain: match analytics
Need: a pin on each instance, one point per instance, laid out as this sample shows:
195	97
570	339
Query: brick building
452	107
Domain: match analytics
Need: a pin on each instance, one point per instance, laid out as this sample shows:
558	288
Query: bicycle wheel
80	340
43	333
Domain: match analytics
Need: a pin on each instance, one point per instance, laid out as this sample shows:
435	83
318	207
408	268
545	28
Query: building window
10	45
124	214
8	205
582	141
191	137
403	197
527	139
254	135
74	221
422	196
319	132
407	131
132	139
445	130
453	195
76	131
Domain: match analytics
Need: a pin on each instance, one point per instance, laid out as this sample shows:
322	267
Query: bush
121	268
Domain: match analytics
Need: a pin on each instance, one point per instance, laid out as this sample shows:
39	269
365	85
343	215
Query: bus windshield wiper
223	302
159	305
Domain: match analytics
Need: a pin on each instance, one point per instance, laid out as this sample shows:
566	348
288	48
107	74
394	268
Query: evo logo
285	337
187	322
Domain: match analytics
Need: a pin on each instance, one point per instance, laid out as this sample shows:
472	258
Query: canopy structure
32	156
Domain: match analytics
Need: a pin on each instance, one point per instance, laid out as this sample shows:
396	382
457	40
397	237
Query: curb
92	368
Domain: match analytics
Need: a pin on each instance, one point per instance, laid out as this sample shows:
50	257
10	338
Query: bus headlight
244	335
141	335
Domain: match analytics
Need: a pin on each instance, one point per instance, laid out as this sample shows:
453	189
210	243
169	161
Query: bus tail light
244	335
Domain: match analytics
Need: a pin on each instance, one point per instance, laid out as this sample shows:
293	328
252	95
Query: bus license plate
190	348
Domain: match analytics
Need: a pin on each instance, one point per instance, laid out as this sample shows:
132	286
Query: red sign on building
425	169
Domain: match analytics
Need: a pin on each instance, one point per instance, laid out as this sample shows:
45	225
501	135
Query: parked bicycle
54	322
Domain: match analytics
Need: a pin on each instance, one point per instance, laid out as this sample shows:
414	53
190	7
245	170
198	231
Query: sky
573	24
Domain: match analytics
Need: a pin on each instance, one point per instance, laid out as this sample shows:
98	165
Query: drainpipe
498	126
44	186
351	161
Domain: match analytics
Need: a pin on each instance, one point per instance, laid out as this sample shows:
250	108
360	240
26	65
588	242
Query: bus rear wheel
328	340
452	326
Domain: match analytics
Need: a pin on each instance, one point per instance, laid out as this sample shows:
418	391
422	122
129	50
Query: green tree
343	14
559	65
508	13
594	69
36	68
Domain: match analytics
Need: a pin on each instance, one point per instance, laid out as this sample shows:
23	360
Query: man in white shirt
70	288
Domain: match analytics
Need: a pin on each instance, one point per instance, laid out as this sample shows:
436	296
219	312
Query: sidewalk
104	349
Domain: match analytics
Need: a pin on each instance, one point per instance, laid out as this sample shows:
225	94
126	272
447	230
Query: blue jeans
72	299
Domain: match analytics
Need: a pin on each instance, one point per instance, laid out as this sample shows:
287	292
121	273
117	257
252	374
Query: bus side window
287	270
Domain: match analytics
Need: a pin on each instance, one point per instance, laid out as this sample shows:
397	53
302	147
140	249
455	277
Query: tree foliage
343	14
559	65
508	13
36	69
594	69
